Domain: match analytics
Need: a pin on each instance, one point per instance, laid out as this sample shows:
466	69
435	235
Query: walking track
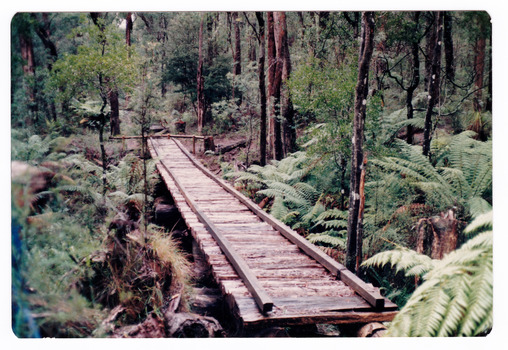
268	274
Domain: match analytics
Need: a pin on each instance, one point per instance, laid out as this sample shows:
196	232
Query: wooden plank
263	300
372	296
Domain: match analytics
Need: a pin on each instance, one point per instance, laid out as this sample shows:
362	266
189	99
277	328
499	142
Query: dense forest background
370	134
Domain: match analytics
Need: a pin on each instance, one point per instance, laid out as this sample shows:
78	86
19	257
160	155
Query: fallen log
224	149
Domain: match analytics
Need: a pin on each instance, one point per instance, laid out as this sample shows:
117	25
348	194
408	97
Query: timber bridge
268	274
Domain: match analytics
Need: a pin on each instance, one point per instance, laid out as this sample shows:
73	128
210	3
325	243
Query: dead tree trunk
433	89
200	81
437	236
355	226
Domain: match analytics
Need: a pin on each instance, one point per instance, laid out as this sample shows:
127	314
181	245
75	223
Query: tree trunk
128	28
27	55
44	33
237	56
262	89
429	49
252	49
415	80
488	106
433	89
355	225
115	113
353	21
271	79
479	69
238	49
289	132
200	81
275	86
42	30
448	48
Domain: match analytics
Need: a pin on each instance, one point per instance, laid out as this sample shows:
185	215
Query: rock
188	325
206	301
166	215
372	330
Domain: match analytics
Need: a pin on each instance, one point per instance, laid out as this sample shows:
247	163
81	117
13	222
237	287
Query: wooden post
193	144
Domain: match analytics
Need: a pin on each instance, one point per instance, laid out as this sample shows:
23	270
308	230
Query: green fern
462	174
455	298
32	149
328	239
403	259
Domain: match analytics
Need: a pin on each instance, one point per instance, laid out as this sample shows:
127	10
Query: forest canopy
368	133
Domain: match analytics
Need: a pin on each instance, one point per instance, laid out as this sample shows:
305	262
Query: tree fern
461	174
455	298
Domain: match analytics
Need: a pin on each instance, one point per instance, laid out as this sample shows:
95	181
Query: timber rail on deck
268	273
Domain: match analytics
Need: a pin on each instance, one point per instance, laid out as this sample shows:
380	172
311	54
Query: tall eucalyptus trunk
433	82
200	81
262	89
356	199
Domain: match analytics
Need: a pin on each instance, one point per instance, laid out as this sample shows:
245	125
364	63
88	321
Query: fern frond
316	210
456	296
333	214
248	177
403	259
481	222
279	210
334	224
336	242
307	191
285	191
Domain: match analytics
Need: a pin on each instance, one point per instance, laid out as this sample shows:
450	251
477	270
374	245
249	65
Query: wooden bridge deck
302	288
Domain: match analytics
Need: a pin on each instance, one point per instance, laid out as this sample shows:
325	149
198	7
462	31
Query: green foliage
325	94
102	64
182	66
296	201
57	228
462	175
456	296
231	115
63	230
331	225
